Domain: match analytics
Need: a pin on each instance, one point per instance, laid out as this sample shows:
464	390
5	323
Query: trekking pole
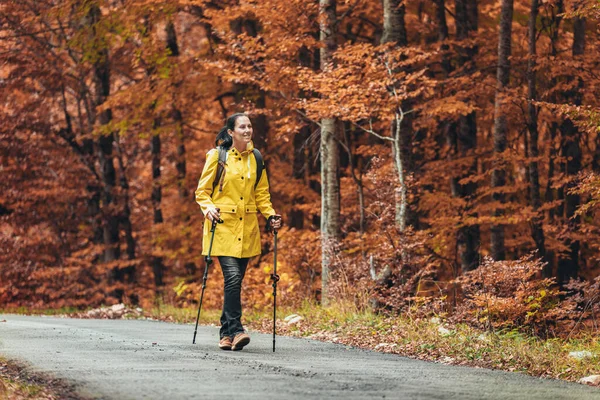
275	279
209	261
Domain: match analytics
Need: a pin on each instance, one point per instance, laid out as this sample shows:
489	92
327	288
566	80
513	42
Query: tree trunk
330	200
571	150
300	173
88	148
440	15
500	126
125	215
242	92
394	27
472	14
537	230
394	31
157	261
95	213
110	223
552	154
330	190
260	125
357	180
462	19
549	196
402	192
569	267
461	136
156	184
101	79
155	147
596	157
158	267
468	238
180	163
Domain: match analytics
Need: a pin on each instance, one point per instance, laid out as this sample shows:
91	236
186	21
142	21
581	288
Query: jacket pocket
250	208
226	208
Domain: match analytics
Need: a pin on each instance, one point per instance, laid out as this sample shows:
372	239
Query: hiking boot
240	340
225	343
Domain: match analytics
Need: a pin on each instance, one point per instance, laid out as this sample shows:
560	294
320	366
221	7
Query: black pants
233	274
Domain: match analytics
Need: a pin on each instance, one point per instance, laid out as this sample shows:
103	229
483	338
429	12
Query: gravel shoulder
140	359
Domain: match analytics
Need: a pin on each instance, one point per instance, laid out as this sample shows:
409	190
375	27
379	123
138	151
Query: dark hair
224	139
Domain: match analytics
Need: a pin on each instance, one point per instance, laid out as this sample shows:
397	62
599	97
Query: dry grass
436	340
430	339
171	313
14	385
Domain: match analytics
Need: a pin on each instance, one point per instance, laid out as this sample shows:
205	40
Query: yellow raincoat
239	234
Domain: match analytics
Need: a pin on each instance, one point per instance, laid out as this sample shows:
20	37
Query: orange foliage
262	57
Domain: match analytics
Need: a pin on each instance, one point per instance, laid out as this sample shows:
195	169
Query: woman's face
242	133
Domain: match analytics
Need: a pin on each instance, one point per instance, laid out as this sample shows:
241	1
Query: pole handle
269	227
214	222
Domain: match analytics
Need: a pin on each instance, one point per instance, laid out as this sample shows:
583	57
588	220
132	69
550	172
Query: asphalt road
136	359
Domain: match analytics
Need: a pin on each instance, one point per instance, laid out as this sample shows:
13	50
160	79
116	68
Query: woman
234	197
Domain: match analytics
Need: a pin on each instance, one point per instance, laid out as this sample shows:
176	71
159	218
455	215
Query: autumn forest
433	154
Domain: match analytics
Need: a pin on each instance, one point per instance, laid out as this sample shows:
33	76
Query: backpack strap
260	165
220	176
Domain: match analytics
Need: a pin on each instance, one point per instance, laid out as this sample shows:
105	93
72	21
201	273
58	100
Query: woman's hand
213	214
275	222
